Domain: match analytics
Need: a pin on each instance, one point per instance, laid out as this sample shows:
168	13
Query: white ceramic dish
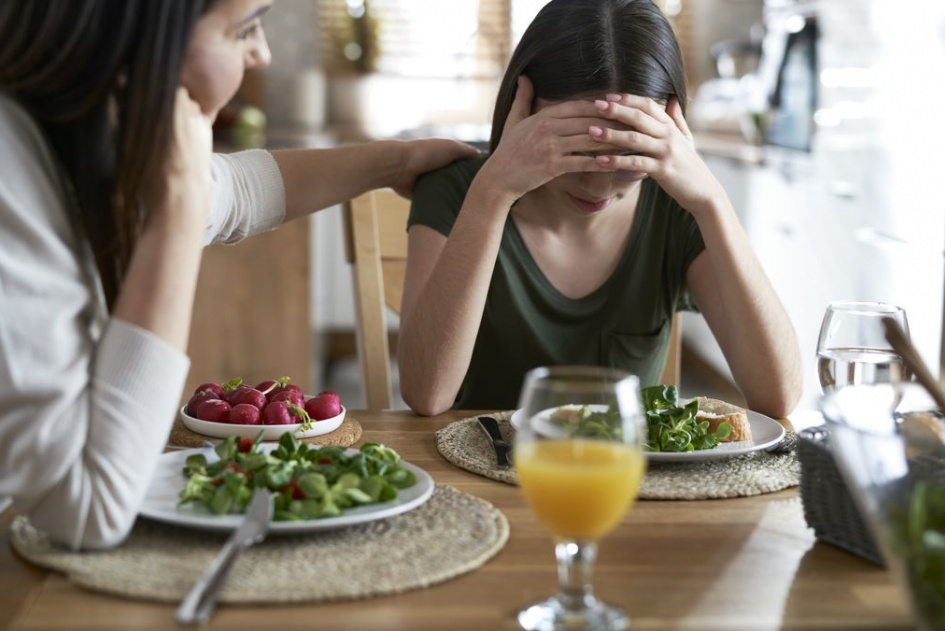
270	432
765	432
160	503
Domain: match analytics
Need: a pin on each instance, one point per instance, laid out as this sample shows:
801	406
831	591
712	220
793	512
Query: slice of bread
717	411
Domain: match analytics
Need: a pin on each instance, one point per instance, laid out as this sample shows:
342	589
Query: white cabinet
820	237
332	284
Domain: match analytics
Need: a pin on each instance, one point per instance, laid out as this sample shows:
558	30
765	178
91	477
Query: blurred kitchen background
823	120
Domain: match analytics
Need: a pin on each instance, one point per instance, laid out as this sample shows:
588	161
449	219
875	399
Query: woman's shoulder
662	209
22	138
14	118
458	174
25	153
15	123
440	193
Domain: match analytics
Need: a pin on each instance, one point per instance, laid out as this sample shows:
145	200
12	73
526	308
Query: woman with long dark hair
592	221
108	193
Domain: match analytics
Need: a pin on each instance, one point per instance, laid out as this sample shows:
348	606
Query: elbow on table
104	539
424	392
93	526
777	402
425	402
101	534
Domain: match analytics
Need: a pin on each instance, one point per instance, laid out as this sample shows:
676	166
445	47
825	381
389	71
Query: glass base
551	615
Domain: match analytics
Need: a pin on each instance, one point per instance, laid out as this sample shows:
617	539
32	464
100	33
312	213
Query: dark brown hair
99	77
576	48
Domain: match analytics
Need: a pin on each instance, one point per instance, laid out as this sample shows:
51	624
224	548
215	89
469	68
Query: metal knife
503	450
199	602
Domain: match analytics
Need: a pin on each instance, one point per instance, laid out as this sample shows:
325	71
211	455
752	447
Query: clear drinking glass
579	459
852	347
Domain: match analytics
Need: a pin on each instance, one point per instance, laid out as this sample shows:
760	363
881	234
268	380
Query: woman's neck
576	252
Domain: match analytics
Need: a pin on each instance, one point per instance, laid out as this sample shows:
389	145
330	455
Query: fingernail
601	105
603	159
595	131
613	97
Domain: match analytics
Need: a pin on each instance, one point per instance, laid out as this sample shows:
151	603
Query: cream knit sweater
87	401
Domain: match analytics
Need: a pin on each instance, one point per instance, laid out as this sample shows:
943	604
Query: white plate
543	424
160	503
270	432
765	432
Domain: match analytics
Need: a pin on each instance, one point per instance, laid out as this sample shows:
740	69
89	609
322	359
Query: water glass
852	346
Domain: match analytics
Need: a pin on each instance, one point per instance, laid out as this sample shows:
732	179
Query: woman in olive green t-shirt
590	222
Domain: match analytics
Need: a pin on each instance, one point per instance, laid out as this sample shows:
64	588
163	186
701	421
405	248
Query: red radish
197	399
264	386
245	394
277	413
331	395
270	385
215	410
293	489
323	406
245	414
211	386
286	387
245	443
289	396
232	393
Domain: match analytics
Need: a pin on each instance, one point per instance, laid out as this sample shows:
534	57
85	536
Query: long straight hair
99	77
577	48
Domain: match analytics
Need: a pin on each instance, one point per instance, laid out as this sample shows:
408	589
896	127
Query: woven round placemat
464	444
451	534
347	434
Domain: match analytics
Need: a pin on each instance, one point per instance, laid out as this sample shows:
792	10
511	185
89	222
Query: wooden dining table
748	563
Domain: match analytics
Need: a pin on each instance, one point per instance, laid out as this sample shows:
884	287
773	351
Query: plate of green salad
314	487
674	434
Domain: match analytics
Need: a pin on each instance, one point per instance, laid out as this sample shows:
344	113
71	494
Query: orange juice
579	489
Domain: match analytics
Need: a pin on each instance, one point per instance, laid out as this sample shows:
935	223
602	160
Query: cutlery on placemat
503	450
199	602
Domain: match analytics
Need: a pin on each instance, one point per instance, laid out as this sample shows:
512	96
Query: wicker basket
828	507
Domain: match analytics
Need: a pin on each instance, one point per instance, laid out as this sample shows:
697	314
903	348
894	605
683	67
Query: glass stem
575	565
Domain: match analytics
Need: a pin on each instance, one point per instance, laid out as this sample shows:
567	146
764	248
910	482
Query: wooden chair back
375	226
376	245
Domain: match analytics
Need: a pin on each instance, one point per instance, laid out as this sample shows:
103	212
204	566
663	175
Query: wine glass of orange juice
579	461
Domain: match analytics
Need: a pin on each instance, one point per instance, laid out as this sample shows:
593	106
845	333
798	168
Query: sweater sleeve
86	402
78	461
248	196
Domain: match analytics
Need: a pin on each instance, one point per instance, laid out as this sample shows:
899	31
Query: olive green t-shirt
526	322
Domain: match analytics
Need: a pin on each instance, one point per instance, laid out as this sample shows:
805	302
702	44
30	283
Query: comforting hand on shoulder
426	155
666	151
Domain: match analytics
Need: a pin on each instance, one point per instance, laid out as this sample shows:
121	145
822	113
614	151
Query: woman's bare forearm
444	301
746	314
316	179
158	291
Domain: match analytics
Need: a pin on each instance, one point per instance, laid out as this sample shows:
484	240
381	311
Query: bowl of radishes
272	407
